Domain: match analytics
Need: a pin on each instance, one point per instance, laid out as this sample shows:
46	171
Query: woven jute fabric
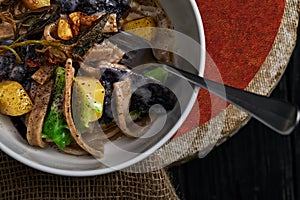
18	181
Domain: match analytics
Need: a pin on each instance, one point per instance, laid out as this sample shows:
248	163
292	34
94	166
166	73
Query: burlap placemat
18	181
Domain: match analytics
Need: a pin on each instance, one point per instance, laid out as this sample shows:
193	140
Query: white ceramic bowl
124	152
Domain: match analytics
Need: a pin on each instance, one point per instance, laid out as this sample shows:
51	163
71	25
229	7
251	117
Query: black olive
68	6
6	65
141	100
17	74
93	6
108	78
6	42
150	94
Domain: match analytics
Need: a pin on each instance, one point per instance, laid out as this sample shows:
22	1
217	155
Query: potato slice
14	100
35	4
141	27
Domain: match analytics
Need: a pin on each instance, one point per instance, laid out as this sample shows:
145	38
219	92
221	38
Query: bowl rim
142	156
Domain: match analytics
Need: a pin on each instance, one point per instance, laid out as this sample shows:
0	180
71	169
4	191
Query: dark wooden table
256	163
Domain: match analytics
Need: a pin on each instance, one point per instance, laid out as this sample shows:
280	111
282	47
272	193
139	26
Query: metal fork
278	115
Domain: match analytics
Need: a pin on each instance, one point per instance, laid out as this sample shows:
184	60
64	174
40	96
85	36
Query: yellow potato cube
64	30
141	27
14	100
35	4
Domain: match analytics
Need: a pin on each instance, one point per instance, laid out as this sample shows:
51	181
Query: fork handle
278	115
